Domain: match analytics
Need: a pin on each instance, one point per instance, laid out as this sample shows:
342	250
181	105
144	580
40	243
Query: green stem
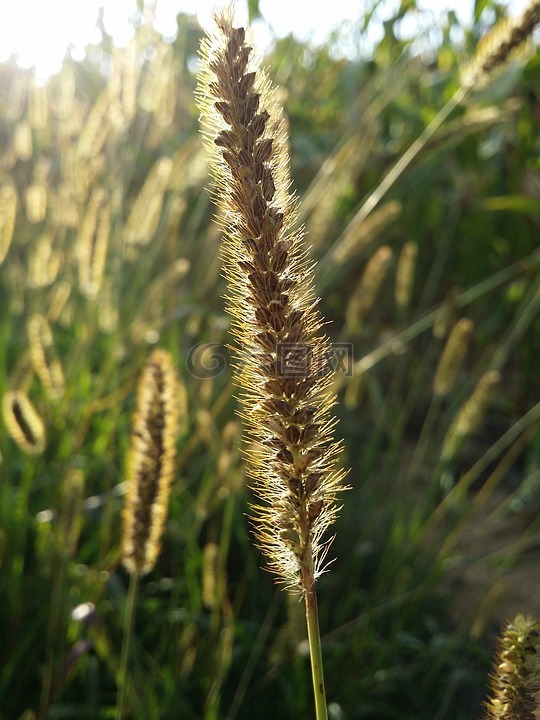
126	642
314	639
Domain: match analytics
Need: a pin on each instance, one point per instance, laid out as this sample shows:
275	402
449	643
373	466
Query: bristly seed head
150	465
282	359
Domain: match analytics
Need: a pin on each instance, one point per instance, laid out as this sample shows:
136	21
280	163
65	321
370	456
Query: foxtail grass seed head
282	356
92	264
44	358
452	357
515	681
96	126
150	464
495	48
209	575
58	297
405	274
145	213
358	236
22	140
44	262
36	202
37	106
365	293
8	213
70	512
92	243
471	414
23	422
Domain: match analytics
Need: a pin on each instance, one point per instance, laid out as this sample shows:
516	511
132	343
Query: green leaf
516	203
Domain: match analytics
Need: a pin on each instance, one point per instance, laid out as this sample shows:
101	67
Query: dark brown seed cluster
283	360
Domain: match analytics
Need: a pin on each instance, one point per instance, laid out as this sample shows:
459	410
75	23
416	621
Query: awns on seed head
150	463
282	357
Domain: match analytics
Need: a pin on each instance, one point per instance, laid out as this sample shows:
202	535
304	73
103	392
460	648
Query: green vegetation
108	249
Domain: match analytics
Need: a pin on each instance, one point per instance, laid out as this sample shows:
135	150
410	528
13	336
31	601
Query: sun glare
39	33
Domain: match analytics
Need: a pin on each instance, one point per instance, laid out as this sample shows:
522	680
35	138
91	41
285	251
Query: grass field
428	273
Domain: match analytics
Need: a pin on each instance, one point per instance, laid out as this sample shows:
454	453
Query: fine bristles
452	357
283	360
515	682
150	465
23	422
495	48
471	414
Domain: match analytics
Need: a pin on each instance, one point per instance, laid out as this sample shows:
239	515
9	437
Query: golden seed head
44	358
405	274
283	360
515	681
150	463
210	575
8	213
23	422
358	236
365	293
36	202
495	48
70	514
145	213
452	357
471	414
22	140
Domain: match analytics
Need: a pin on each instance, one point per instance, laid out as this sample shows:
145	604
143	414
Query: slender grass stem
314	639
126	643
52	637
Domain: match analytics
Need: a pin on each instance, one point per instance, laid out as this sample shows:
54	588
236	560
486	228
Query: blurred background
108	249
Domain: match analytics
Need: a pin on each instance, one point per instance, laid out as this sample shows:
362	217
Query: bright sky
39	31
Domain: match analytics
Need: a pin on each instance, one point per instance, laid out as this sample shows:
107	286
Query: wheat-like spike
145	214
58	297
405	274
471	414
210	575
70	515
92	242
37	106
92	265
452	357
23	422
495	48
150	464
282	364
35	198
44	358
358	236
96	126
22	140
8	213
515	681
44	262
368	287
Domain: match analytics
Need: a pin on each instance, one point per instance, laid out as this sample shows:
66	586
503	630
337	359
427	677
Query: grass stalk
121	702
315	653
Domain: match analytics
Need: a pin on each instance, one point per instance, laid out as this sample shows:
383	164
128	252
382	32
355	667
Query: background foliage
432	553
